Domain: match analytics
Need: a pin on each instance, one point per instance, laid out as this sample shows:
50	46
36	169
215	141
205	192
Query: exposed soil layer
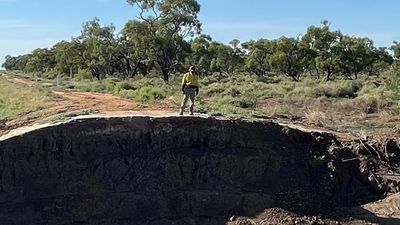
191	170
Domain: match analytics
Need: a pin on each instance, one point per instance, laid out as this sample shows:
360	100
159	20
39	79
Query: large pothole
173	170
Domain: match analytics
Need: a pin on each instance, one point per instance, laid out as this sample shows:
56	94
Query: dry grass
17	100
343	105
316	118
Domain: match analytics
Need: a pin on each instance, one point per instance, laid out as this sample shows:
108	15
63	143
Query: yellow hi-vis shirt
190	79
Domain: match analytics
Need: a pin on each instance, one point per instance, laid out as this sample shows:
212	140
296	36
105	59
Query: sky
29	24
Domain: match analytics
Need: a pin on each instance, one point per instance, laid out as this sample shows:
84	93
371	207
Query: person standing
190	89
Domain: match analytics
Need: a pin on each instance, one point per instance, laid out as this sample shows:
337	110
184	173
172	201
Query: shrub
392	79
130	94
124	85
150	94
368	104
48	75
83	74
109	85
302	92
97	87
338	89
244	102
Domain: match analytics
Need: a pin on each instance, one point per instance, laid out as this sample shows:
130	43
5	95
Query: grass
17	100
344	105
142	89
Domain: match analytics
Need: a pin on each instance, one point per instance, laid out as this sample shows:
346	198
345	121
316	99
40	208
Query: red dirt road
72	103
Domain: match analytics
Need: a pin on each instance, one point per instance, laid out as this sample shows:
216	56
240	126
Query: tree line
166	37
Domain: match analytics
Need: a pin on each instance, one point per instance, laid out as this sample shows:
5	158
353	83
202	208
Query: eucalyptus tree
67	58
381	61
167	23
258	58
355	55
40	60
325	44
97	48
224	59
134	48
201	55
358	55
288	57
16	62
396	50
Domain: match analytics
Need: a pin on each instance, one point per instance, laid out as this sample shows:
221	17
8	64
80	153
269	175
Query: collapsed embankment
181	170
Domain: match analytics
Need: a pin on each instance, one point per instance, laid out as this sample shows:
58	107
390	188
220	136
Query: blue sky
29	24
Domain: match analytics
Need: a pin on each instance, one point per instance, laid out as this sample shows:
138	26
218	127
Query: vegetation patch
16	100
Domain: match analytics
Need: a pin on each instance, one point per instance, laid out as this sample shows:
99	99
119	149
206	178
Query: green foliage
162	28
392	78
16	63
234	107
258	60
289	58
323	44
201	55
97	45
124	85
83	74
41	60
160	40
245	102
396	49
150	94
339	89
141	89
225	59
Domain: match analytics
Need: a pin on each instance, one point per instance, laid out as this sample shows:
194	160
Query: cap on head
191	69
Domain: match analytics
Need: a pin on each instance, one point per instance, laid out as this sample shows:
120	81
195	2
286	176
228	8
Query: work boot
191	113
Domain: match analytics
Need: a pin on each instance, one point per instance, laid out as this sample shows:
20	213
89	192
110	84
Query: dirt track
108	104
72	103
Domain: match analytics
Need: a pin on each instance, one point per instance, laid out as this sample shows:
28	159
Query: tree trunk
310	71
328	74
220	75
294	77
165	74
95	74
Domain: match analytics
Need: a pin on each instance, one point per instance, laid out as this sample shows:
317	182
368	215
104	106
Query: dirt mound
182	170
